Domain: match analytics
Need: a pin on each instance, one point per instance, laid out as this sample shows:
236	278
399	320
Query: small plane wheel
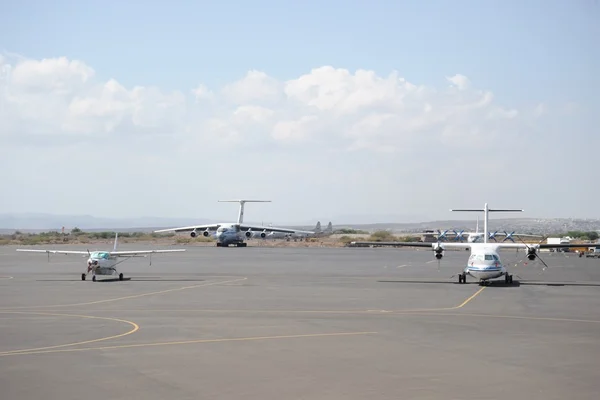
94	278
510	279
507	279
83	277
121	276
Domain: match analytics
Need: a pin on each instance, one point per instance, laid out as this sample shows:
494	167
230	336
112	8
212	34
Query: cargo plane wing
234	233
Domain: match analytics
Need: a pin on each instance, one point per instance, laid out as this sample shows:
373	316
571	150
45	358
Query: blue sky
528	53
501	44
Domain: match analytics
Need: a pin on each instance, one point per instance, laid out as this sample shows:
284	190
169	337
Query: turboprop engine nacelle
439	252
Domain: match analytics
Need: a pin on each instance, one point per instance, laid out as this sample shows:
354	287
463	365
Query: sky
381	111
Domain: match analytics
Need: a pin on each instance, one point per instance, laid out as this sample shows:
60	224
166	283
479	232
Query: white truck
593	252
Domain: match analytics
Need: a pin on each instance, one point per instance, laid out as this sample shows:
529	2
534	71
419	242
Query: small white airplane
104	262
484	262
234	232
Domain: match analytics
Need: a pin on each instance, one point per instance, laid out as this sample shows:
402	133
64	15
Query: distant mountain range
9	223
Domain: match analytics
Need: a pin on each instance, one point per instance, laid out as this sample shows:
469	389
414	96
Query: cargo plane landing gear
242	244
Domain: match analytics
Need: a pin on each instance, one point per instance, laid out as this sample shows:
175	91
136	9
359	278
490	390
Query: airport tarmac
310	323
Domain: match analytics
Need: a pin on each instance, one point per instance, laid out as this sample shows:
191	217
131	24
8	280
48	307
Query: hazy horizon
37	221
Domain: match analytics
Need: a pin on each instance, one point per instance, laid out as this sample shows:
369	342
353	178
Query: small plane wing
135	253
256	228
112	253
55	251
210	227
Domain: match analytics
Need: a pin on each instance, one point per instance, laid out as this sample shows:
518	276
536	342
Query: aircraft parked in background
484	261
234	232
317	232
477	236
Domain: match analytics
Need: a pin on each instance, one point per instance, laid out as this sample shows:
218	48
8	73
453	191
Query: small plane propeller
492	236
459	236
442	235
509	236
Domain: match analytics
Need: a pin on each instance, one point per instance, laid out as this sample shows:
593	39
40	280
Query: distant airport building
428	236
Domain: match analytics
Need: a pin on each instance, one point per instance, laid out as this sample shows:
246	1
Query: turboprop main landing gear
462	278
508	279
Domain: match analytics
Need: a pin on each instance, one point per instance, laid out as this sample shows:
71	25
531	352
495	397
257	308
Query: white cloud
460	81
356	130
256	86
327	106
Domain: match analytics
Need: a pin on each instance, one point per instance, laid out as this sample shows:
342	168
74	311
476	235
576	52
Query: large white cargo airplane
104	262
484	262
234	232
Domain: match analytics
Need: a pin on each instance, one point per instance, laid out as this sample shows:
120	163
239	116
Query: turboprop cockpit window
489	257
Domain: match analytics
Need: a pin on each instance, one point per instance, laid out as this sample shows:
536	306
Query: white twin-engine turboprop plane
104	262
484	262
234	232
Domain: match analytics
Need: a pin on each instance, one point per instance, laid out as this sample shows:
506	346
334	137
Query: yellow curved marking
371	311
135	296
592	321
133	324
464	303
245	339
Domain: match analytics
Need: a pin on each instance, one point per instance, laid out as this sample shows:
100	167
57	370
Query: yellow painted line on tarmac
243	339
135	327
464	303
